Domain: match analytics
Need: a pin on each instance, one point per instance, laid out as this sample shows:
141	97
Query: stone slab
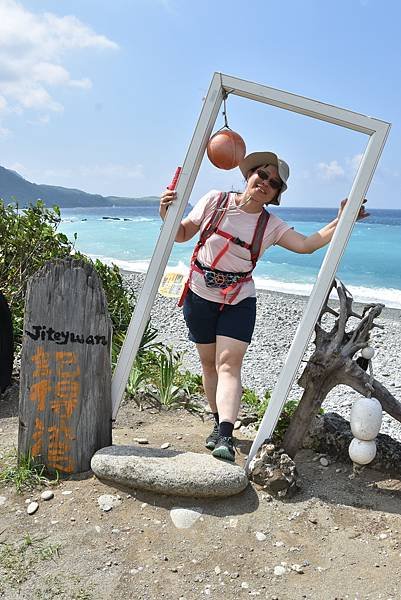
168	471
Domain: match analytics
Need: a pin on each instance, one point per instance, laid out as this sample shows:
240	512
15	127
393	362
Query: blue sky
104	96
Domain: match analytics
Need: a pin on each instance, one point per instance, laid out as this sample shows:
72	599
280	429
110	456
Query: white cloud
354	162
331	170
32	48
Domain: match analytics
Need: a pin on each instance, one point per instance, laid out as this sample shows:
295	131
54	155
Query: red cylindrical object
173	184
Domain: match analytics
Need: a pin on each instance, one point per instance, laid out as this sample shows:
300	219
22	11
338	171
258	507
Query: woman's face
261	189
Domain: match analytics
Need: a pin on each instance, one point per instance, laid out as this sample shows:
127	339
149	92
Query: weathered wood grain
65	383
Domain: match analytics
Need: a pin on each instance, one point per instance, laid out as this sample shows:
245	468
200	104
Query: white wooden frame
376	130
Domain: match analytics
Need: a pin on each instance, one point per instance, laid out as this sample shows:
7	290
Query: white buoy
366	418
368	352
362	452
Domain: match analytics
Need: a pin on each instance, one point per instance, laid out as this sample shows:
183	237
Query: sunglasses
274	183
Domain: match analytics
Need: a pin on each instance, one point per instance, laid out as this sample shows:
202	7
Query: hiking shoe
224	448
212	438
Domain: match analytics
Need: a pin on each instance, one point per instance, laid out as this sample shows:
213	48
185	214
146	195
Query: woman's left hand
362	214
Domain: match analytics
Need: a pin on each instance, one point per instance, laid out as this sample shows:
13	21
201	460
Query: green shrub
29	238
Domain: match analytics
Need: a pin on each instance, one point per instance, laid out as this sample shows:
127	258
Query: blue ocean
370	267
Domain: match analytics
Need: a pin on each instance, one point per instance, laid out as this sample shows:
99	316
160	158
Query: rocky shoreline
278	316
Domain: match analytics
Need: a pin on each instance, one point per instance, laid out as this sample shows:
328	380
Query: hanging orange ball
226	149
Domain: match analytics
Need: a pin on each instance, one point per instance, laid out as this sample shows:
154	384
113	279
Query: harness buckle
238	241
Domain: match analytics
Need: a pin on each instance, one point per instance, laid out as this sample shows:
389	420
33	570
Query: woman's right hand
166	199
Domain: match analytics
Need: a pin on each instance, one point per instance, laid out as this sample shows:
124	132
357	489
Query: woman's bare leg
207	355
229	356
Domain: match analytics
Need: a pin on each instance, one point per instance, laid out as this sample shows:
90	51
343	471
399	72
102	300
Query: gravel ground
278	316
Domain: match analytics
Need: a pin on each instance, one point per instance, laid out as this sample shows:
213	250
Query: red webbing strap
215	219
205	235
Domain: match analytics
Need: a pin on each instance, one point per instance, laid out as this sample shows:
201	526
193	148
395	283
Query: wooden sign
65	383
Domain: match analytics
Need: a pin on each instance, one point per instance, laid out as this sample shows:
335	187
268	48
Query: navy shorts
205	320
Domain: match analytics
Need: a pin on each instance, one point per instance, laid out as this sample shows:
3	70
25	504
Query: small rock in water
47	495
32	508
184	518
165	446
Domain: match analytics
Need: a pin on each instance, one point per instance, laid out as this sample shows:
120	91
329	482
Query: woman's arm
302	244
187	228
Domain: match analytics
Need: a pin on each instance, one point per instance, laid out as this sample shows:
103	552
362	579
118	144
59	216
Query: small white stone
260	536
67	492
107	502
279	570
382	536
54	522
324	462
245	585
184	518
297	569
142	441
237	424
217	570
47	495
165	446
32	508
3	500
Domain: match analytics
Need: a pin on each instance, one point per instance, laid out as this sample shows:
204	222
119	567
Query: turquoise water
370	268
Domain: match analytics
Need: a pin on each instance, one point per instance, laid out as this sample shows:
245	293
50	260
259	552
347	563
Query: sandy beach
278	316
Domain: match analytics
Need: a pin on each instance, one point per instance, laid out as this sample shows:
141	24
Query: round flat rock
169	471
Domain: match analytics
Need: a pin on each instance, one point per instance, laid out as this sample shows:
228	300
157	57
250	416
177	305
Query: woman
220	303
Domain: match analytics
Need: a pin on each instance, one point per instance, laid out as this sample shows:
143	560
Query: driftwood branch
333	363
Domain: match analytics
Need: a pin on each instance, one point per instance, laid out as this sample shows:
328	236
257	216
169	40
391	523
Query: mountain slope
14	188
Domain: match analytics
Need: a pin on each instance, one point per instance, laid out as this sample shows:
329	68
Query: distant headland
14	188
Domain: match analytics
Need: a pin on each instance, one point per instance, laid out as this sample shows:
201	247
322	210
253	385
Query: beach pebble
47	495
107	502
32	508
279	570
165	446
184	518
142	440
260	536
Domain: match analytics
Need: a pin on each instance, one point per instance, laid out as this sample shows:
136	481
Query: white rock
32	508
3	500
324	462
165	446
47	495
260	536
297	568
107	502
142	441
245	585
217	570
67	492
280	570
366	418
368	352
362	452
184	518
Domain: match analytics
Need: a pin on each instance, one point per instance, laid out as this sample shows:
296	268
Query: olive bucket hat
261	159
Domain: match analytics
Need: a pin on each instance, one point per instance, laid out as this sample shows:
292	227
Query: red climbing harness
227	282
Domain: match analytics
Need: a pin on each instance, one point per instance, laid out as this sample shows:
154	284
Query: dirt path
337	539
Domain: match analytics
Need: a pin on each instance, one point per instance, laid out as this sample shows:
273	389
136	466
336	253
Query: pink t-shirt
240	224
